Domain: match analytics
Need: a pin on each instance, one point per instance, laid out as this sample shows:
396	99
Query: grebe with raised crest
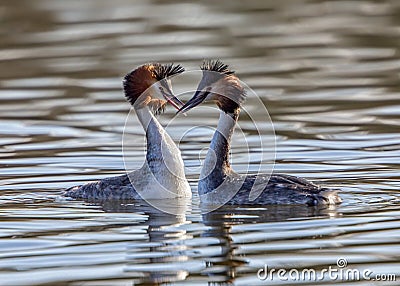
162	175
217	179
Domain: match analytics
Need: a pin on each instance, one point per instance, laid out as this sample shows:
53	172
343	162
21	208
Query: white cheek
217	89
154	90
169	84
210	97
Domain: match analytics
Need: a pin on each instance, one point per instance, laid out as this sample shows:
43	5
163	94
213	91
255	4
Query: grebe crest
219	84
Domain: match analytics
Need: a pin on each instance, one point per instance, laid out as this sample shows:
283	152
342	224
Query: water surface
328	72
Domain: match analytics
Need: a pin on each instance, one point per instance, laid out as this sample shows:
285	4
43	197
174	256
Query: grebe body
162	175
219	183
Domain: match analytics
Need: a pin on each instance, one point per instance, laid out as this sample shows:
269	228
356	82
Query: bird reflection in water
231	226
162	258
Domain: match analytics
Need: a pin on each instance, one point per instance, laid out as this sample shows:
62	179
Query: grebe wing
283	189
283	178
280	180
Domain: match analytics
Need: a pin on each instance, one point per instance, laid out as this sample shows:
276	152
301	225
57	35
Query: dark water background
328	72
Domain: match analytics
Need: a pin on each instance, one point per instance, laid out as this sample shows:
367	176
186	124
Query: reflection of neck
216	165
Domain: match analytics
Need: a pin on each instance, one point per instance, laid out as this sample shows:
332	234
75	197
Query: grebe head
219	84
145	84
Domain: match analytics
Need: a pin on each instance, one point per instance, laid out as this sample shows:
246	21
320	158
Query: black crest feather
167	70
216	66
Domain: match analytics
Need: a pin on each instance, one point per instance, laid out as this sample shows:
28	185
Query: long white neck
163	174
216	165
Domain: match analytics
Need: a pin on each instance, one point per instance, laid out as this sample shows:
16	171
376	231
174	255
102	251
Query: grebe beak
197	98
171	98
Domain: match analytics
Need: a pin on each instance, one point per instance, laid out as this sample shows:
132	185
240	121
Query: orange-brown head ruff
220	84
137	86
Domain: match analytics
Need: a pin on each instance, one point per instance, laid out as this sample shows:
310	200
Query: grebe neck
155	135
216	165
164	165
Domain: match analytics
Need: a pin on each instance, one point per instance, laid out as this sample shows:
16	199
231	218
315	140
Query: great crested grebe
162	175
217	179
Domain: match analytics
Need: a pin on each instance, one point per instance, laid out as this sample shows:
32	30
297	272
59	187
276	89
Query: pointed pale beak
171	98
197	98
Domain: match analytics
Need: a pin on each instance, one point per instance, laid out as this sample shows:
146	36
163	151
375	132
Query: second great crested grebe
162	175
218	182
